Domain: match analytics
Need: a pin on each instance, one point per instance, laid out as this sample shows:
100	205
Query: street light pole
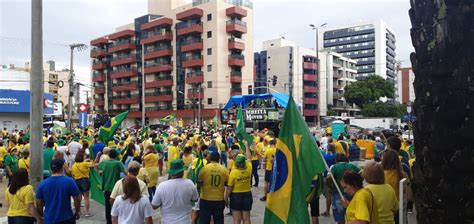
36	94
79	47
143	85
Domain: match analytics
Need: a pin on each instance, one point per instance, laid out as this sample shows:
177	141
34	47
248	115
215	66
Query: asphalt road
257	213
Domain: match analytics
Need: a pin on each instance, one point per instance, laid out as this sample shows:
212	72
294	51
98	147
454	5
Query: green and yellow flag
110	127
58	130
169	118
240	131
297	162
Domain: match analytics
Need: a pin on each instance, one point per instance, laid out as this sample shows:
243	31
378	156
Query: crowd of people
192	176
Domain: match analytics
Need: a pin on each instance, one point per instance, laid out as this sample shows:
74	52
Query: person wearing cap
54	194
239	187
175	196
212	181
111	170
11	163
268	163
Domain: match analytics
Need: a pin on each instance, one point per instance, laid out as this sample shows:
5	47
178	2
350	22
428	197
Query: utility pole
36	94
143	85
71	82
199	107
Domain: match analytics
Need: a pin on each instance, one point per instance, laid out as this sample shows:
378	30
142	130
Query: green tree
379	109
368	90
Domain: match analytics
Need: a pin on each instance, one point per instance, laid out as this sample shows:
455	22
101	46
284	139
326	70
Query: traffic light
274	80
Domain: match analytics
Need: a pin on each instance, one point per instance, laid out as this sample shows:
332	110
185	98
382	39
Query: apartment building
336	72
193	53
406	90
371	44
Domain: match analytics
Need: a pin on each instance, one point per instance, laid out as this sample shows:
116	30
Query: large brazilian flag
240	131
110	127
297	162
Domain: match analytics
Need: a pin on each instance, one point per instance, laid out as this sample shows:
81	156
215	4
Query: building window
209	17
209	34
209	101
209	68
209	51
209	84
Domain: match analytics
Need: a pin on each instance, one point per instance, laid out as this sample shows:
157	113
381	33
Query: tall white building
296	72
371	44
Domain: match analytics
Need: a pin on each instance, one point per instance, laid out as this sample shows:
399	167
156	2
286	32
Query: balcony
160	82
152	37
236	60
99	89
192	45
235	91
235	77
125	86
99	65
122	46
159	66
99	41
193	13
337	96
236	26
310	65
123	73
236	44
310	77
161	22
193	61
98	77
189	28
157	52
99	102
160	111
195	77
336	86
310	112
122	60
126	99
98	53
236	12
310	89
122	34
157	96
194	94
308	100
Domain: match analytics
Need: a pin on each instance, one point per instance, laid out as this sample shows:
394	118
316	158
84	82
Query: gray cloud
74	21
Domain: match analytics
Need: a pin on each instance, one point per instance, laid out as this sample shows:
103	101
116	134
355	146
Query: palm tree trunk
443	37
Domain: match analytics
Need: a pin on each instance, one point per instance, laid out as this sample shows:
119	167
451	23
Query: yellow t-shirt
259	151
386	201
3	153
339	148
19	202
213	177
240	179
269	155
231	165
204	162
172	154
392	179
151	160
362	207
80	170
24	163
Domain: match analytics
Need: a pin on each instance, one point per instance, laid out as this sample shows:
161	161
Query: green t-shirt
339	169
111	173
158	148
48	155
12	162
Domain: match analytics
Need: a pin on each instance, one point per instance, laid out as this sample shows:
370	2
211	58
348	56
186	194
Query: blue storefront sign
18	101
82	119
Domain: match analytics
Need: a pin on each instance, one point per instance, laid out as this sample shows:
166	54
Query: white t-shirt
131	213
324	142
175	198
74	147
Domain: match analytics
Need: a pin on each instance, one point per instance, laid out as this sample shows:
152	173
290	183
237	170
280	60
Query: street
257	213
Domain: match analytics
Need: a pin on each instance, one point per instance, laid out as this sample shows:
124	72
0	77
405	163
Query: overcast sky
79	21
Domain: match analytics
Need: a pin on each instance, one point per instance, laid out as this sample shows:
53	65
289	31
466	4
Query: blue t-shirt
97	147
56	192
330	160
212	149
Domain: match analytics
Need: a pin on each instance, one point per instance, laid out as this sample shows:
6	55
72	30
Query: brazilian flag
169	118
297	163
110	127
240	131
58	130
